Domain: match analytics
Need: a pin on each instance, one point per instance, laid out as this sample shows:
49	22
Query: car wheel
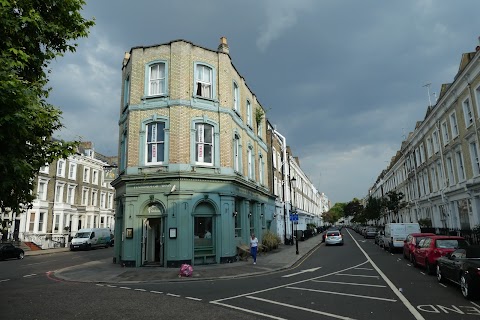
21	255
428	268
465	287
439	275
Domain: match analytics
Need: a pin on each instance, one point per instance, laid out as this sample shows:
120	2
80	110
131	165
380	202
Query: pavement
105	271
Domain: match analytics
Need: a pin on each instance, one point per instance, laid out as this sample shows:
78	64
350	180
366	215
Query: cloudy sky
342	80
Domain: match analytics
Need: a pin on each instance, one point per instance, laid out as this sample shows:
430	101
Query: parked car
9	251
396	233
333	237
370	232
431	248
462	268
412	240
379	238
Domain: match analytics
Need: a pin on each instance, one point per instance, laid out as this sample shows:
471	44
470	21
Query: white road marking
300	272
192	298
100	285
301	308
369	269
4	280
475	304
407	303
126	288
143	290
247	310
156	291
356	275
32	264
111	286
173	295
29	275
352	284
343	294
422	272
442	285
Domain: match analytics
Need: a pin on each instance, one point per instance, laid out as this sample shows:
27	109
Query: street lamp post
292	212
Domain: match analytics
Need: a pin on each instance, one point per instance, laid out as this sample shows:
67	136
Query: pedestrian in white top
253	248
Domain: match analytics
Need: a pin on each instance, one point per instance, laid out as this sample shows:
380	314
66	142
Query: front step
31	246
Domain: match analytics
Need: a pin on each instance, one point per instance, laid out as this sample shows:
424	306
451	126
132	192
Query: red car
412	240
428	250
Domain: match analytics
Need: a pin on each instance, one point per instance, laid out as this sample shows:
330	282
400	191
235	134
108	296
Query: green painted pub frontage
168	222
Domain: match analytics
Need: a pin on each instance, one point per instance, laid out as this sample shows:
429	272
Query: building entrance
153	241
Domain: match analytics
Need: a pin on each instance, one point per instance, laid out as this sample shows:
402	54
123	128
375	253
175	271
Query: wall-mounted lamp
261	215
274	215
250	214
235	213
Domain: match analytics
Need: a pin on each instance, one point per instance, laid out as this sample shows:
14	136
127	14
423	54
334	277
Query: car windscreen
451	243
82	235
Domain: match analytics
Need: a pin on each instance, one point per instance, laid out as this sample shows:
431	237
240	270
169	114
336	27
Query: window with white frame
86	174
204	81
110	201
156	79
95	176
474	158
236	153
102	200
433	176
204	144
429	147
72	171
71	194
41	221
155	143
280	163
422	153
445	136
440	175
417	157
436	144
450	172
425	182
56	223
93	201
467	112
236	98
59	192
250	162
454	125
61	168
31	224
260	130
42	189
460	166
274	158
85	196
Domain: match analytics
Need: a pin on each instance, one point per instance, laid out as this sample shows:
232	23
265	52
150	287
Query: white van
86	239
395	234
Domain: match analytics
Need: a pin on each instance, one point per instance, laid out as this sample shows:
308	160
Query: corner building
193	178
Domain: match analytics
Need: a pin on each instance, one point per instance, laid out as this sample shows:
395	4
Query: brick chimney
223	47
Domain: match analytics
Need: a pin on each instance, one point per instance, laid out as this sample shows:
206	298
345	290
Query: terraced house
193	175
437	166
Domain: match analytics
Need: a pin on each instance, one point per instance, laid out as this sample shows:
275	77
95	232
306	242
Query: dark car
461	267
9	251
370	233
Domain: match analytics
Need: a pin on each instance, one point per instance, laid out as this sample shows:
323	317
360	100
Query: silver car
333	237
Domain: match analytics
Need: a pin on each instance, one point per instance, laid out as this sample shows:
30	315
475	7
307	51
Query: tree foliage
335	213
32	34
374	208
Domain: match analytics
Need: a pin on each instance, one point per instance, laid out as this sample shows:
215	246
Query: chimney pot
223	47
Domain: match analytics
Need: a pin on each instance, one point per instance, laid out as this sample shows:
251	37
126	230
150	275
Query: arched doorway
153	237
204	233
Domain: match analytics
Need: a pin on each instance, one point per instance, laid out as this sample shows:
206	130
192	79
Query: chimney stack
223	47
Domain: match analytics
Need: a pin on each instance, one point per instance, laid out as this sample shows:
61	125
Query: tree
33	33
335	213
394	201
374	208
353	208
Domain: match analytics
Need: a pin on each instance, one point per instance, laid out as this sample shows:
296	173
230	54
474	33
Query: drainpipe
284	173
